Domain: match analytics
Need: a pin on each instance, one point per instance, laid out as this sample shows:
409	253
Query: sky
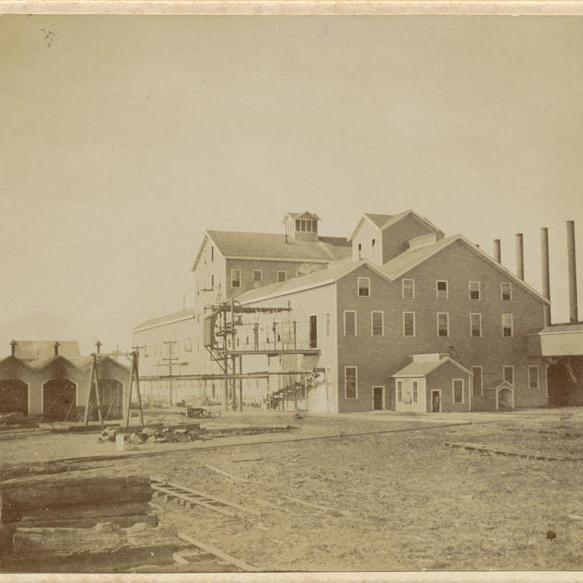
123	138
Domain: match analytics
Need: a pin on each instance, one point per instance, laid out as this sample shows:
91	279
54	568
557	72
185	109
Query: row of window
257	277
441	289
377	324
533	373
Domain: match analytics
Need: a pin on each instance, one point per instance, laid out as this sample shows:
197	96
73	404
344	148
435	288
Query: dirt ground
373	492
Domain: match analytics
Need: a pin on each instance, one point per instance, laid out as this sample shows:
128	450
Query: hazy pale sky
123	138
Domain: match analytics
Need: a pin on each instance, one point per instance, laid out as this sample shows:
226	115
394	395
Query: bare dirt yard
368	492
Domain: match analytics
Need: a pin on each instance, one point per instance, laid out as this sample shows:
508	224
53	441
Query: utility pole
170	359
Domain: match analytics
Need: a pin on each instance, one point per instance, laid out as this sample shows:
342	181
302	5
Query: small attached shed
432	383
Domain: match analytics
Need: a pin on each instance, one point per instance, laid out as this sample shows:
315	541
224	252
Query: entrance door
313	331
377	398
435	401
59	398
13	397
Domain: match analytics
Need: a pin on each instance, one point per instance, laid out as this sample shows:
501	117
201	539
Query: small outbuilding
432	383
37	379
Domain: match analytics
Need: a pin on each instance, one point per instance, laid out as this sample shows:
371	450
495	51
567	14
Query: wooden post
138	393
89	391
241	383
130	386
97	391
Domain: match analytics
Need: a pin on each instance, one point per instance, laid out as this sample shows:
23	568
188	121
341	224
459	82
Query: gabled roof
318	278
304	215
165	319
80	362
44	349
383	222
242	245
421	368
405	262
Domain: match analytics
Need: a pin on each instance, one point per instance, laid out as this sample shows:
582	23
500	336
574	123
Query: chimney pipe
98	346
13	345
545	271
572	270
497	250
56	347
520	255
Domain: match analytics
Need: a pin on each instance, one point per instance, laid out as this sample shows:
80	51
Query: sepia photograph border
468	8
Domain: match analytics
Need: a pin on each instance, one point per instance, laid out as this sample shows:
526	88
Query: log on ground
41	492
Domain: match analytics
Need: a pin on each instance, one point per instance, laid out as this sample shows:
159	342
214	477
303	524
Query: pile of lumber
66	523
12	421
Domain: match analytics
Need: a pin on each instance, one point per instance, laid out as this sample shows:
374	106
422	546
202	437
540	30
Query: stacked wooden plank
69	522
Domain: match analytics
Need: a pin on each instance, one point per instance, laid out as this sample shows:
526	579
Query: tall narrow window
400	391
458	390
377	323
508	374
298	225
533	377
257	277
477	380
506	291
408	323
441	289
281	276
350	382
442	324
235	278
408	288
373	243
415	391
475	324
327	324
475	290
363	284
212	253
507	325
349	323
359	247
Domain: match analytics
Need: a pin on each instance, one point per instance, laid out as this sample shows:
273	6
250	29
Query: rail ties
169	491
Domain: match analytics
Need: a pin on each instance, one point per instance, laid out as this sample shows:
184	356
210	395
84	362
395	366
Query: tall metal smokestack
520	255
497	250
13	345
572	270
56	348
545	271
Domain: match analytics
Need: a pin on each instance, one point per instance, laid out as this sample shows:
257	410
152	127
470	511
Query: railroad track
188	497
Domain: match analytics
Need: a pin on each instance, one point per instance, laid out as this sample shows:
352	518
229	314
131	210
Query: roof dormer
301	226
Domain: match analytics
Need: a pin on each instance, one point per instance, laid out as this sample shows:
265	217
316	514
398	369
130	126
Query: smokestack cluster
545	267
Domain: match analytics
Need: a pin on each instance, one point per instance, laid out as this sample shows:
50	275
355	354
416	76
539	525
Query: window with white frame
475	289
477	381
327	323
257	277
363	284
507	325
400	391
442	324
506	291
458	390
508	374
533	377
377	324
349	323
281	276
408	289
359	247
441	289
235	278
408	323
415	391
475	324
350	382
